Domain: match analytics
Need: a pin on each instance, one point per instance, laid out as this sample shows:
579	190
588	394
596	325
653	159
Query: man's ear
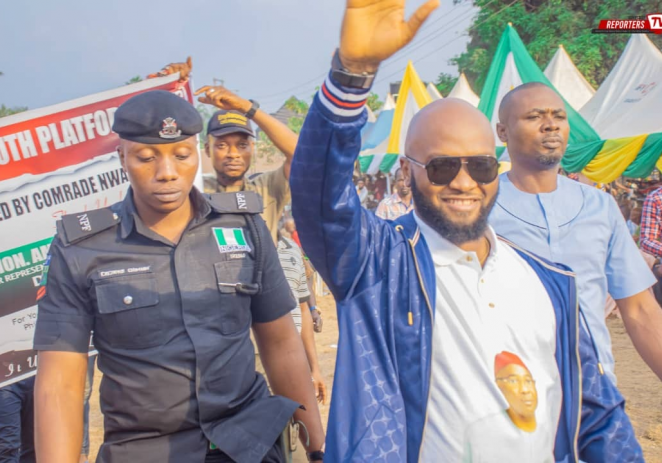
502	132
207	148
121	153
405	166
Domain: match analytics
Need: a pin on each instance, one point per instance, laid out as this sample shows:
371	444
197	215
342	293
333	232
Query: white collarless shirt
479	313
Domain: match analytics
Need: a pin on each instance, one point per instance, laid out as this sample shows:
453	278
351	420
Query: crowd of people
471	304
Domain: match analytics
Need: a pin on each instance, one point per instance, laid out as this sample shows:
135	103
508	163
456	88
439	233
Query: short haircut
504	107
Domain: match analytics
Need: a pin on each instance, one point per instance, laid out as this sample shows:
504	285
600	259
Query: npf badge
230	240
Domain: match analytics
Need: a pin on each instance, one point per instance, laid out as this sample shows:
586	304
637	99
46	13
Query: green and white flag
230	240
512	66
601	160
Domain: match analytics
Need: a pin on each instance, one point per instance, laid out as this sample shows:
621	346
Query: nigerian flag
230	239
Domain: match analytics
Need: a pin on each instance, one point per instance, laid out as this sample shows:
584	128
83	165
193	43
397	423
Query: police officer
170	281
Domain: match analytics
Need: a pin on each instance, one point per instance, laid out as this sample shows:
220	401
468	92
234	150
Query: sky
267	50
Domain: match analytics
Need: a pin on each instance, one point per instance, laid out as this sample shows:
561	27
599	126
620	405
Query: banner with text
53	161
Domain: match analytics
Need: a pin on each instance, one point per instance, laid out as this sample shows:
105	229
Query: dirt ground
641	388
642	392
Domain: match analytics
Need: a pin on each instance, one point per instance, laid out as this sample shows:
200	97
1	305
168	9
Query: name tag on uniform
124	271
230	240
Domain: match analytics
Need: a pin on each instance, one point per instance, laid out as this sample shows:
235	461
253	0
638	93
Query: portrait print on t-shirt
511	435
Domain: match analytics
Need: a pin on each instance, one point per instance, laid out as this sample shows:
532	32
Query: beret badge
169	129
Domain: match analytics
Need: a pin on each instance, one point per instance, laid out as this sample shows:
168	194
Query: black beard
455	233
549	160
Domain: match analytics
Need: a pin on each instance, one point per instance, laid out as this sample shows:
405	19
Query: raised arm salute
445	329
230	145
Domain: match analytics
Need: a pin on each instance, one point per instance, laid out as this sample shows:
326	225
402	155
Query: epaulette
77	227
240	202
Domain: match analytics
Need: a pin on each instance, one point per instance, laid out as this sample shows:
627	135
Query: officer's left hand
184	70
223	98
320	387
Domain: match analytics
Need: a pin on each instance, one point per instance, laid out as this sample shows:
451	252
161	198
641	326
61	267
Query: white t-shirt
495	439
480	313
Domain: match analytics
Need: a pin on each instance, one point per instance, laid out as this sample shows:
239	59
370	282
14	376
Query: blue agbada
382	276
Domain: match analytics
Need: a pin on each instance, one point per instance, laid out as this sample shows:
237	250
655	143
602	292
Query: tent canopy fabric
383	156
601	160
629	101
434	92
512	66
463	91
566	78
376	142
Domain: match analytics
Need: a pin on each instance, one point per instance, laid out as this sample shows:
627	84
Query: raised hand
184	70
373	30
223	98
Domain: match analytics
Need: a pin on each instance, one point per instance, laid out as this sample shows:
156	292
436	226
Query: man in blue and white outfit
572	223
428	302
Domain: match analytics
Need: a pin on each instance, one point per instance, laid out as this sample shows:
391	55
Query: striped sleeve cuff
343	102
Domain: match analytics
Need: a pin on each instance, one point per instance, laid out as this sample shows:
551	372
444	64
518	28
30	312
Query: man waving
429	303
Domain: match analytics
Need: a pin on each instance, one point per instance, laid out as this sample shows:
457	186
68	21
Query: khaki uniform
274	188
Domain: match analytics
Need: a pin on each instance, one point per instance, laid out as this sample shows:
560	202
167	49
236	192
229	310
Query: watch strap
348	79
251	112
316	455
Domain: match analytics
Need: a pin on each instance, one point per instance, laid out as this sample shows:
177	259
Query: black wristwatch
251	112
314	456
346	78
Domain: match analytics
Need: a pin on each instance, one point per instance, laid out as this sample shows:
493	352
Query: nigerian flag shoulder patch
230	239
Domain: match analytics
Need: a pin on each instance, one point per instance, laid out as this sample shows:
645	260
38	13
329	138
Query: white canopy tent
629	101
434	92
567	79
463	91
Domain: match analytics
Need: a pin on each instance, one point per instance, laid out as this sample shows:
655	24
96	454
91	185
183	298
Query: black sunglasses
443	169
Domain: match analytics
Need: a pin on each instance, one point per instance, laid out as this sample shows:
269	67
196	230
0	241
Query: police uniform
171	321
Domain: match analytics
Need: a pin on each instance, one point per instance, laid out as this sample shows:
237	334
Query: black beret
156	118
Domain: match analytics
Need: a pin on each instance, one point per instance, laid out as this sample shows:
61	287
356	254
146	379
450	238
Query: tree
445	83
5	111
133	80
264	147
300	110
543	25
374	103
205	112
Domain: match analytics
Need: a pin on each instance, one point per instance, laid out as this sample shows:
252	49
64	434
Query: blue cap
156	117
